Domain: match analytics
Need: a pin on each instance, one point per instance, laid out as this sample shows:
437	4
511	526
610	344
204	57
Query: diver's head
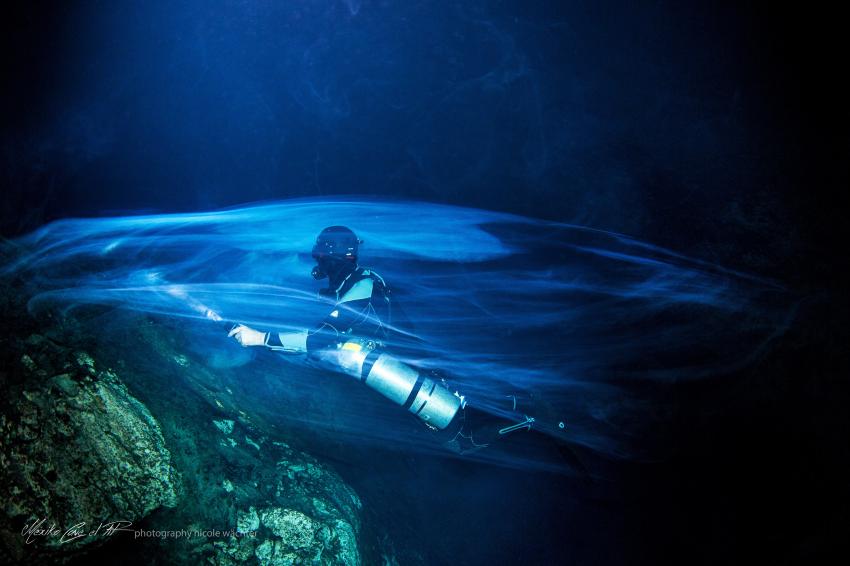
335	253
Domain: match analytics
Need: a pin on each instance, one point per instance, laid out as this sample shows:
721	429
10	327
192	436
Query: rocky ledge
160	445
75	449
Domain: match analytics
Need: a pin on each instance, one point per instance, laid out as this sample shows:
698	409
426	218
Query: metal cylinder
426	398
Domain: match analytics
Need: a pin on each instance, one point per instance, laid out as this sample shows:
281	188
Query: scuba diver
353	339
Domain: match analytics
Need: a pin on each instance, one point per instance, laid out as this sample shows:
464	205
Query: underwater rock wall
160	444
279	504
306	516
75	448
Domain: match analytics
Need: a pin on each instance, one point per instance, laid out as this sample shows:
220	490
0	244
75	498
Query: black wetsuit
363	309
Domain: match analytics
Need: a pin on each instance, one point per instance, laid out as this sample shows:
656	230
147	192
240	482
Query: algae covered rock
77	450
247	521
288	536
298	511
308	516
272	502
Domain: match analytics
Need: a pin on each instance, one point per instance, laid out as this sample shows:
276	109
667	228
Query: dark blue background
719	130
662	121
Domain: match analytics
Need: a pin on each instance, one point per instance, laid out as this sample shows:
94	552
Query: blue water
505	304
621	208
